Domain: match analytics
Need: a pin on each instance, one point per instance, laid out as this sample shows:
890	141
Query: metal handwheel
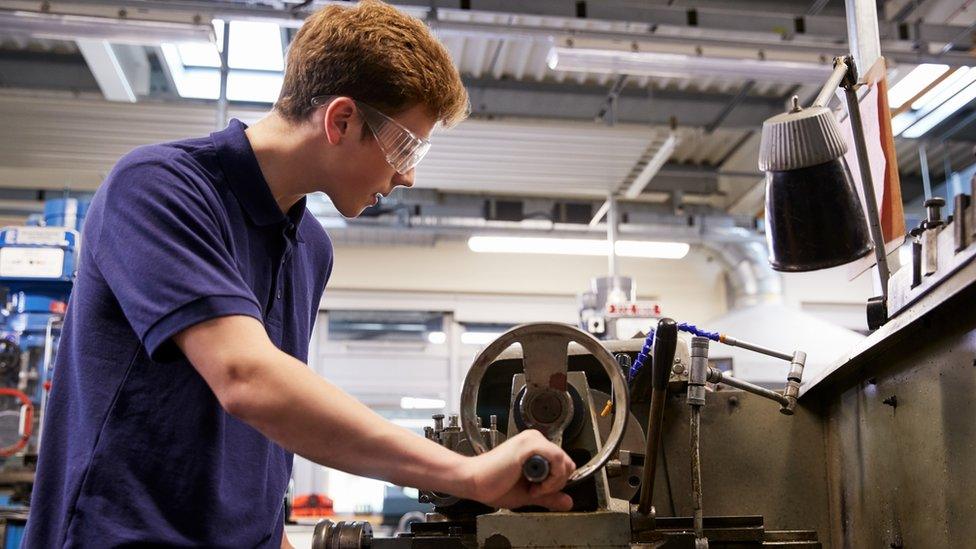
546	404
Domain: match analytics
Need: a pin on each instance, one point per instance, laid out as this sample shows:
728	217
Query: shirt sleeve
159	246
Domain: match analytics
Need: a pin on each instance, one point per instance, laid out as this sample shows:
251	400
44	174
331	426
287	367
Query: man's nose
404	180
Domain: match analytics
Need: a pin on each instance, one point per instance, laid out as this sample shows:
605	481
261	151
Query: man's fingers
555	502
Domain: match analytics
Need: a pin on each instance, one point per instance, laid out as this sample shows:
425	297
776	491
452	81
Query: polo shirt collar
246	181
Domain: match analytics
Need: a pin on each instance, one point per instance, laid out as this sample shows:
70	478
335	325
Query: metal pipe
840	69
696	483
716	376
867	183
756	348
612	234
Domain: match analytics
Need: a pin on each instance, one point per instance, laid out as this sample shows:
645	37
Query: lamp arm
841	68
867	184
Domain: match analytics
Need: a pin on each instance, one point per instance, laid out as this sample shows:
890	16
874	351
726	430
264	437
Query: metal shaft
612	220
756	348
655	424
696	484
716	376
840	69
867	183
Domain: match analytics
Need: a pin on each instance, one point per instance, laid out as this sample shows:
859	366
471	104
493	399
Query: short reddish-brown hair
373	53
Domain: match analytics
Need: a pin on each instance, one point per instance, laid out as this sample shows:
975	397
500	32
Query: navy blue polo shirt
136	449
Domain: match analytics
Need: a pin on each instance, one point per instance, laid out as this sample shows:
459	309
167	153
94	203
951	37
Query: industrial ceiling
686	140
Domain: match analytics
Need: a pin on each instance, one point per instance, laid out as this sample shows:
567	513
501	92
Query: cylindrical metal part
757	348
438	422
612	234
840	69
796	366
746	386
536	469
867	186
452	420
696	484
698	372
933	211
493	431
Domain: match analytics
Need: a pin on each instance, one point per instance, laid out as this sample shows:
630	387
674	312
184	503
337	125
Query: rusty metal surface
609	528
755	461
903	440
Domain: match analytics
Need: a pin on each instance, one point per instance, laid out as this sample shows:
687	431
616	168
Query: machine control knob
933	208
536	469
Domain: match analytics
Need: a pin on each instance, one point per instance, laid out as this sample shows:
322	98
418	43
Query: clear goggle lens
403	149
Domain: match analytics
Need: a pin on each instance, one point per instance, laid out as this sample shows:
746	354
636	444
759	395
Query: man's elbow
238	388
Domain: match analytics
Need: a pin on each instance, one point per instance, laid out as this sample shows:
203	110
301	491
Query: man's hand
496	476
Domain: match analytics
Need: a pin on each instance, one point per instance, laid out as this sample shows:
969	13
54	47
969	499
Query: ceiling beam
504	98
106	67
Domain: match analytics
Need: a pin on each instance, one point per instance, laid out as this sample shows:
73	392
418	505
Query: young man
180	392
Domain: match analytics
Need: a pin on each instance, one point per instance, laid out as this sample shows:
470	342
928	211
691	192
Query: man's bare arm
287	402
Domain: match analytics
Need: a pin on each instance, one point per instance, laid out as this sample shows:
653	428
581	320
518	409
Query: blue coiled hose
649	344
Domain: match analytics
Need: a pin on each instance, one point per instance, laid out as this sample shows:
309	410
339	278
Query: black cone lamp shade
814	219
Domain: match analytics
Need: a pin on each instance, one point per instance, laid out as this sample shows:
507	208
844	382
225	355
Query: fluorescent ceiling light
479	338
669	65
945	89
901	122
437	338
576	246
117	31
914	82
412	403
927	105
946	110
936	105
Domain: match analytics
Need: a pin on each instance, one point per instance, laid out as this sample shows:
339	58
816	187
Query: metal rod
840	69
224	71
655	424
923	162
867	182
612	235
756	348
717	376
696	483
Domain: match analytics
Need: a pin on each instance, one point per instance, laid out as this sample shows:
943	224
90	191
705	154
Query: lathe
638	483
879	450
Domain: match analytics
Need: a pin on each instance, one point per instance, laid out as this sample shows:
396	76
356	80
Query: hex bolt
438	422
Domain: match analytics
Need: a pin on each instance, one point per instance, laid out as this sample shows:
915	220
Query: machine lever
665	344
536	469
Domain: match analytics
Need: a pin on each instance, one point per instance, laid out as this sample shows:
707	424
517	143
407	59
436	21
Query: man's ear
338	119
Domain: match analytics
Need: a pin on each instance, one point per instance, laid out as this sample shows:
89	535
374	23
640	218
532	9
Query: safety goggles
403	148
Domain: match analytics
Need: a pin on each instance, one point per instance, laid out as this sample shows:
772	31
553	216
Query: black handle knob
536	469
665	343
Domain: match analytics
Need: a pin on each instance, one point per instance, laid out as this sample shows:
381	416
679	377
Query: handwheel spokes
546	404
544	359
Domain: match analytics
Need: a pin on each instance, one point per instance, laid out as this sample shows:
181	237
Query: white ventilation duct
749	278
